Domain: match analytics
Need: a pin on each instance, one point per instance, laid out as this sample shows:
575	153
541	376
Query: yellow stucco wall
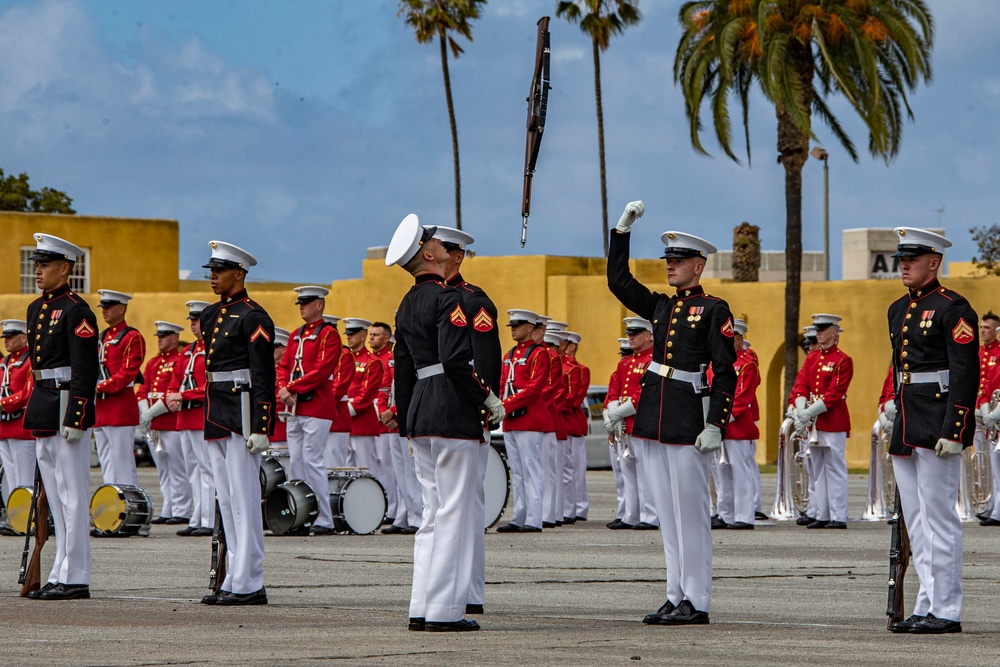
126	254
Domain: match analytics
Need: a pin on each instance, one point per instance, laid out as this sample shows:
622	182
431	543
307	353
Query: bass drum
357	500
272	474
497	486
291	505
120	510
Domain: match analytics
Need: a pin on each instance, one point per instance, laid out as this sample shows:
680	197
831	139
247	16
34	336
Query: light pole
820	154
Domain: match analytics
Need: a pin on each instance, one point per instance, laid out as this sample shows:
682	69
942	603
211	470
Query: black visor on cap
47	256
517	323
635	330
306	299
913	250
428	234
681	253
217	263
353	330
8	334
107	303
449	246
822	327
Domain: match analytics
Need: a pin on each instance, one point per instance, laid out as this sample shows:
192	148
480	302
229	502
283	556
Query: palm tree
801	53
600	19
441	18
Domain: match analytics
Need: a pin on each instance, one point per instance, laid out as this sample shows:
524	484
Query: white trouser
527	472
578	452
811	508
199	470
18	458
830	469
361	453
568	480
552	499
65	469
336	449
172	457
448	471
758	502
928	487
995	470
307	438
619	482
160	460
386	472
647	508
409	505
477	585
237	480
677	478
734	482
630	481
116	452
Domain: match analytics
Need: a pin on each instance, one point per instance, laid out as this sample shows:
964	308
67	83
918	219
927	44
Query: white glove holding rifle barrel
633	210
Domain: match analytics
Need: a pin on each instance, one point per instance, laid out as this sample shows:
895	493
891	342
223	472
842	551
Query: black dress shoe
301	531
37	593
257	597
66	592
508	528
760	516
804	520
463	625
392	530
581	518
989	522
836	524
528	529
907	625
7	531
613	524
654	618
322	530
202	532
177	520
184	532
388	521
160	519
621	525
409	530
684	614
212	598
718	523
932	625
416	624
818	524
473	609
642	525
548	524
569	519
740	525
96	533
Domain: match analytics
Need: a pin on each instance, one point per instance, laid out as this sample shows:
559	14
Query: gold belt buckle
904	378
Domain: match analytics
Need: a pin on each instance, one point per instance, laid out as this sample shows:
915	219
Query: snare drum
18	507
357	500
497	486
272	474
120	509
291	505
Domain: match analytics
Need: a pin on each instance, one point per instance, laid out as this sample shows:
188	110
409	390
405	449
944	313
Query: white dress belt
242	376
61	374
671	373
940	378
430	371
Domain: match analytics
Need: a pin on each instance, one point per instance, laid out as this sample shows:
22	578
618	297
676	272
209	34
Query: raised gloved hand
155	410
805	416
258	443
620	411
992	419
633	210
709	440
495	406
946	448
71	434
609	423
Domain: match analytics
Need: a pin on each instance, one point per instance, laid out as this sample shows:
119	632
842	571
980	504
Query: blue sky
304	130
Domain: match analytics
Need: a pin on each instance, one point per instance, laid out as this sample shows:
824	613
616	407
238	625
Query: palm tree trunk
600	147
454	131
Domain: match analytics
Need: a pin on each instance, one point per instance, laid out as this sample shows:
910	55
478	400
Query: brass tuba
881	481
791	494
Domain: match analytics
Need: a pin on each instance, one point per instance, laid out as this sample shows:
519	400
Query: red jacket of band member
115	403
577	382
554	394
15	372
531	375
826	375
383	400
280	427
321	351
158	375
341	382
888	392
989	371
742	425
626	381
193	359
368	372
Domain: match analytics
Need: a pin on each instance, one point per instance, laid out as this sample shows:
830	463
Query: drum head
290	506
108	508
497	487
18	507
360	504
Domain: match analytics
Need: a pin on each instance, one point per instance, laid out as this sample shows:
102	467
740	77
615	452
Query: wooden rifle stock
217	571
30	575
899	560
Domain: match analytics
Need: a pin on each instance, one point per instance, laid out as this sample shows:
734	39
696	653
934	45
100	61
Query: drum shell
496	485
272	475
291	505
135	514
352	512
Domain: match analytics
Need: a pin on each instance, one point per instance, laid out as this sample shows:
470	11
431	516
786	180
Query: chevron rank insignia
457	317
727	328
84	330
259	332
963	333
482	321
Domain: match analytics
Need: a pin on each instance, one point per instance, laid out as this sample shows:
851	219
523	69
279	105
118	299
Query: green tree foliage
988	241
801	53
600	19
16	195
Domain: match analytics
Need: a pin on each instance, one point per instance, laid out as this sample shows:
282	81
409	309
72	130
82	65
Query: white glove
633	210
889	410
609	426
803	417
790	412
800	403
883	422
258	443
610	423
619	412
71	434
709	440
495	406
155	410
946	448
143	405
350	408
991	419
981	413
